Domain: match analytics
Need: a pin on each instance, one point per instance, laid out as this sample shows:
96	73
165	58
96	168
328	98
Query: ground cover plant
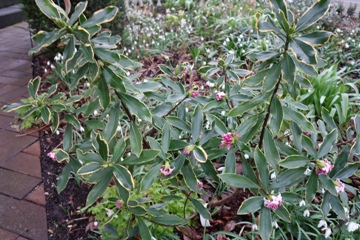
239	122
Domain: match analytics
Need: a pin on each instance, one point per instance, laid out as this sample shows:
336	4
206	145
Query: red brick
37	195
33	149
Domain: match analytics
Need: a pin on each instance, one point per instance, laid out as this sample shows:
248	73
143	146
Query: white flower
57	132
327	232
352	226
246	156
273	175
82	129
322	223
302	203
109	212
222	113
306	213
107	115
308	172
96	112
254	227
275	224
204	222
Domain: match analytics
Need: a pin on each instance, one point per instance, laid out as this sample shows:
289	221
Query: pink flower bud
323	167
195	93
166	169
52	155
339	186
228	139
219	95
118	204
274	202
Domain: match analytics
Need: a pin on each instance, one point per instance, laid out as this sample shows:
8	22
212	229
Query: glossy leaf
102	16
63	178
196	123
89	168
316	38
104	93
288	69
98	189
135	140
313	14
328	184
347	171
149	178
51	10
283	213
45	39
238	181
145	156
137	107
303	51
200	154
270	150
294	161
299	118
103	147
33	87
119	150
230	162
169	220
189	177
68	139
327	143
308	145
251	205
79	9
113	79
277	116
46	114
262	167
143	229
178	123
265	223
288	177
123	177
311	187
200	208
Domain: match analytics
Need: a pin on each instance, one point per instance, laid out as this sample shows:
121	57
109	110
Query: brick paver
22	200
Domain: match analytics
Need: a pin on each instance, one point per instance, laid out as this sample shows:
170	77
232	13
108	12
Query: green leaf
149	178
136	107
107	55
61	155
113	79
102	16
178	123
340	162
328	184
246	106
98	189
51	10
272	77
200	208
46	114
123	177
271	152
55	122
104	93
238	181
33	87
79	9
189	177
82	35
248	170
145	156
103	147
196	123
263	56
135	140
288	177
169	220
251	205
347	171
89	168
72	120
317	38
165	69
327	144
279	5
288	69
230	162
303	51
294	161
63	178
308	145
277	115
313	14
262	167
311	187
337	207
45	39
143	229
199	154
283	213
165	139
299	118
265	223
112	124
67	139
119	150
210	171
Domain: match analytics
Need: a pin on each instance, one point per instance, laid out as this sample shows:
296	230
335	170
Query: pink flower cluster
118	204
219	95
166	170
195	93
323	167
339	186
200	184
274	202
228	139
52	155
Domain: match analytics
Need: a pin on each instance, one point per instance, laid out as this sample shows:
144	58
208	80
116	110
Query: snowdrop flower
87	84
204	222
96	112
82	129
347	45
48	63
186	109
327	232
322	223
352	226
273	175
275	225
107	115
302	203
307	172
45	70
254	227
57	132
52	67
223	113
306	213
246	156
109	212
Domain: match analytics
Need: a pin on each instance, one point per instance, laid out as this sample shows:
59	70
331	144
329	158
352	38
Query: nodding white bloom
352	226
52	67
186	109
107	115
48	63
273	175
306	213
82	129
96	112
57	132
223	113
307	172
109	212
254	227
45	70
246	156
327	232
275	225
347	45
228	39
322	223
87	84
183	23
302	203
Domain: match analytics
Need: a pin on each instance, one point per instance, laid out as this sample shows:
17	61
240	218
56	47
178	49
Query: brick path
22	201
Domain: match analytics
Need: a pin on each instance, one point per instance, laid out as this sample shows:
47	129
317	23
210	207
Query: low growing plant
127	136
